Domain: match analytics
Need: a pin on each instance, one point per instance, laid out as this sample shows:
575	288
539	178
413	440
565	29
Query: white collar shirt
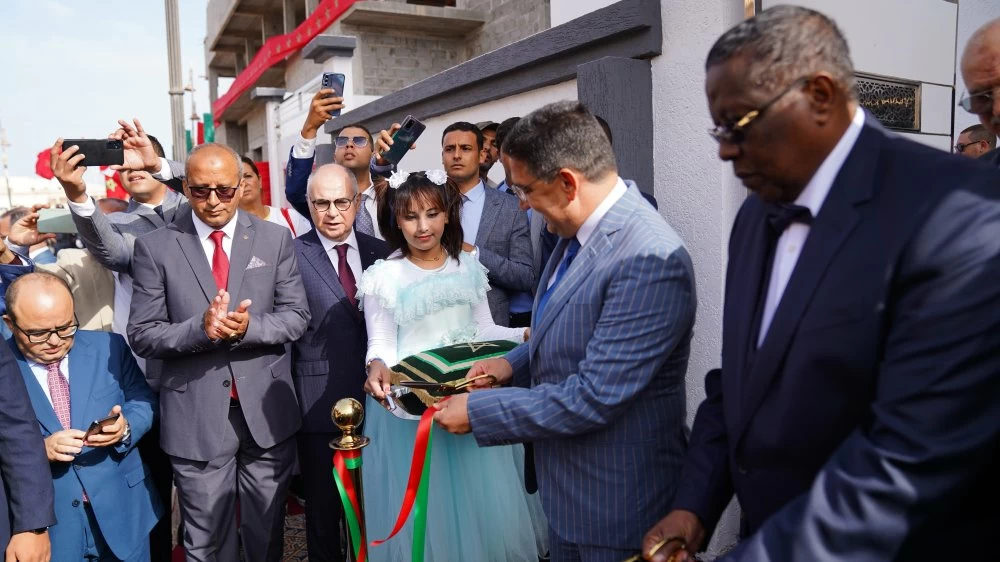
789	246
353	253
41	373
204	232
589	226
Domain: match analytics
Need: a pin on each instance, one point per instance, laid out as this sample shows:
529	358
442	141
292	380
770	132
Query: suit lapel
836	220
491	210
743	298
195	254
239	255
44	412
171	205
81	382
314	253
368	254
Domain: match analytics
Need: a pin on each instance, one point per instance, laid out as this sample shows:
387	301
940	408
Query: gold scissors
656	547
450	387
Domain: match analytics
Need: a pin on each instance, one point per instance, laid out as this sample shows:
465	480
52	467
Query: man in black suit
981	72
26	491
854	415
329	360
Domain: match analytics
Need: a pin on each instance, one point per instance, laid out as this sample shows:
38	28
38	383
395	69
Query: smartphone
335	82
59	221
98	152
97	426
410	129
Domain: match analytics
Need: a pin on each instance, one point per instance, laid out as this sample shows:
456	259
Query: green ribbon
343	461
420	508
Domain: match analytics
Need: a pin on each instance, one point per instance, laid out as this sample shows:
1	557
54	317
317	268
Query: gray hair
352	180
785	43
564	134
200	147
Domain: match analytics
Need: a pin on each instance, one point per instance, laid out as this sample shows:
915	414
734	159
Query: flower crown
437	177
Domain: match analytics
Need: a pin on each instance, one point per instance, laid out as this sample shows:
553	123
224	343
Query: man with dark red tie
329	361
217	296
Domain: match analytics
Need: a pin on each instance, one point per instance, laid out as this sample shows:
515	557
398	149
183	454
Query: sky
71	69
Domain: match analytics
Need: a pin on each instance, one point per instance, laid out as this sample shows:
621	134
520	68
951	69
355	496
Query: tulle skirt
477	507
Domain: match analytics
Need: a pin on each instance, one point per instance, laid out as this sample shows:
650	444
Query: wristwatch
128	432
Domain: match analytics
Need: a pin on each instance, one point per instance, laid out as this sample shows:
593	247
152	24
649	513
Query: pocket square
255	262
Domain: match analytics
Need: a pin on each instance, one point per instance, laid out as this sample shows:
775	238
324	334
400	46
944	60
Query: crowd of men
851	415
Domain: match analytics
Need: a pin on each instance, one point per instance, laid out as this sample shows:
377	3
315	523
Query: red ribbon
349	497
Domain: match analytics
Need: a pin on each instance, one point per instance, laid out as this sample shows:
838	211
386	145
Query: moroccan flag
209	128
42	167
187	139
113	185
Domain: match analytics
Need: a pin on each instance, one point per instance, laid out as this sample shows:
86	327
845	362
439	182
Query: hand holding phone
56	220
102	432
98	152
403	137
334	81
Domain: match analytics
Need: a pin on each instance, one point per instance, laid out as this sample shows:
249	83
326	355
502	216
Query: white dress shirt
204	231
353	254
41	373
471	213
589	226
789	246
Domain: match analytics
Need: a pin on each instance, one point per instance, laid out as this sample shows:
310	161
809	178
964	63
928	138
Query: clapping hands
222	325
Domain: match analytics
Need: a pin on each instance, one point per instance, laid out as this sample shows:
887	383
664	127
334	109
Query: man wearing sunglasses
860	326
981	73
218	297
353	148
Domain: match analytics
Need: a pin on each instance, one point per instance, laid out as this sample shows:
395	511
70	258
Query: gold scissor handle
656	547
466	382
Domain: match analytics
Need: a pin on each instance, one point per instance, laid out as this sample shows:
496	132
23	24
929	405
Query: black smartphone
97	426
98	152
410	129
335	82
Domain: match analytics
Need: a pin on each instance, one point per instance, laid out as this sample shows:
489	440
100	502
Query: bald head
333	201
46	307
981	73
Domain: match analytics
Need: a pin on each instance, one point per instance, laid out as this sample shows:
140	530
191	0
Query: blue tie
571	249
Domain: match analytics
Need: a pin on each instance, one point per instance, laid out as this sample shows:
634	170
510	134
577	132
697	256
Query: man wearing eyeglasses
975	141
860	326
353	148
329	360
981	73
218	297
104	503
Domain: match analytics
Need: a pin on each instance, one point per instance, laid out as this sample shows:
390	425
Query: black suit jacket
866	426
329	360
26	491
992	157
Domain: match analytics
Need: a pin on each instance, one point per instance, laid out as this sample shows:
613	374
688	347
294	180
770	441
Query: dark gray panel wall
620	90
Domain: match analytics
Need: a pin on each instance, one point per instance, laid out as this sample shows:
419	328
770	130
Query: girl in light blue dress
430	293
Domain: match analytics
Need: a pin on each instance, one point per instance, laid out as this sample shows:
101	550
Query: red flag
265	181
201	133
42	167
113	185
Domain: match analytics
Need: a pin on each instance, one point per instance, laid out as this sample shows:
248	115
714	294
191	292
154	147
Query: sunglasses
359	142
225	194
977	103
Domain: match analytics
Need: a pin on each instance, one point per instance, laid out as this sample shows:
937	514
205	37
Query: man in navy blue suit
105	504
854	415
981	73
329	360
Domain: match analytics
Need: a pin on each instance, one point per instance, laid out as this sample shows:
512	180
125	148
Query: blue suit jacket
26	494
606	368
866	428
328	361
296	180
102	373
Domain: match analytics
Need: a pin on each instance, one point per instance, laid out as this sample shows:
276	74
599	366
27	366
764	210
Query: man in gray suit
218	297
492	222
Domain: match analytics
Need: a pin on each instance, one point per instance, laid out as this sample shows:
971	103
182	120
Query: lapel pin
245	237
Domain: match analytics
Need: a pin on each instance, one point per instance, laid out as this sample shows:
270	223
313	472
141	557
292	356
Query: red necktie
345	274
59	393
220	270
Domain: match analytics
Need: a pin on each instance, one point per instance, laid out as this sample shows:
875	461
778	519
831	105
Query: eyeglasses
323	205
522	191
960	147
225	194
978	103
42	336
736	133
359	142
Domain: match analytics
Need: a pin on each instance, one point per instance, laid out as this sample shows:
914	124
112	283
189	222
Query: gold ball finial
347	414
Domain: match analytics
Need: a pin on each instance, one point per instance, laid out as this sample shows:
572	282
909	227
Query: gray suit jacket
505	250
173	286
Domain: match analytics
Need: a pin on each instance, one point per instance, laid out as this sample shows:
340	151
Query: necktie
158	210
571	249
220	261
346	275
779	218
220	270
59	393
363	223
